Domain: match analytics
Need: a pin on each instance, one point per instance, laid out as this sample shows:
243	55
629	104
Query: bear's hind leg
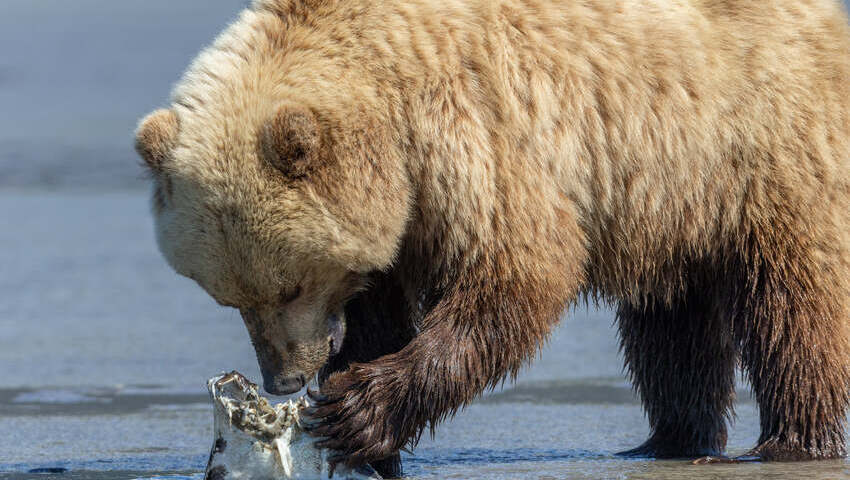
793	327
681	358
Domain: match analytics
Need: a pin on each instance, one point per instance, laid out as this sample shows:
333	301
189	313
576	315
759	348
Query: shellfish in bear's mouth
257	440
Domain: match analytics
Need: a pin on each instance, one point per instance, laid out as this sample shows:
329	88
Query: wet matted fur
472	167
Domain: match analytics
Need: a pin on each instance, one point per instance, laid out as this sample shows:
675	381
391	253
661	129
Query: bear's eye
291	296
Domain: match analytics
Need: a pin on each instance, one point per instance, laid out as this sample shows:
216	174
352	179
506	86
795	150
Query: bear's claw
353	421
711	460
316	396
722	459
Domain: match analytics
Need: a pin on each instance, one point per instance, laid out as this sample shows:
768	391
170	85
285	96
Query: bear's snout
292	348
279	385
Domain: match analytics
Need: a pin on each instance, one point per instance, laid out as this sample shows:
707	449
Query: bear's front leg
378	322
485	328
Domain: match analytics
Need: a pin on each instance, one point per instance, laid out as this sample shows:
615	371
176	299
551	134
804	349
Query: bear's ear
156	137
290	141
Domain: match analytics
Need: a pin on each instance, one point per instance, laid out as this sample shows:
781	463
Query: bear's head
277	195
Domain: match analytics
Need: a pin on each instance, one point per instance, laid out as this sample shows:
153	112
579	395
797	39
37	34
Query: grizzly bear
405	195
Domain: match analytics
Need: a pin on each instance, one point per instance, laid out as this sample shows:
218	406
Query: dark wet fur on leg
681	358
793	327
378	323
480	332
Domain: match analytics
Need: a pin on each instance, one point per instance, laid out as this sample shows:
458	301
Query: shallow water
105	352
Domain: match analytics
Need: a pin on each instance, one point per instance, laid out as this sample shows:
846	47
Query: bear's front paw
353	417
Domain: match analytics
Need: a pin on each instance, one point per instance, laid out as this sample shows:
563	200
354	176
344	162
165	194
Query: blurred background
105	352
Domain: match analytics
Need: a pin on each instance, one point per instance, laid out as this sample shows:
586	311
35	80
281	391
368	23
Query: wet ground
104	352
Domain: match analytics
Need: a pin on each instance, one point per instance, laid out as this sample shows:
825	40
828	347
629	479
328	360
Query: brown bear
407	194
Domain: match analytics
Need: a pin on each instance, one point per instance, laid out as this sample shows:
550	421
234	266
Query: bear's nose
277	385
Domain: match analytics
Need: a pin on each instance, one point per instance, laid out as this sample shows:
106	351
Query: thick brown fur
687	159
